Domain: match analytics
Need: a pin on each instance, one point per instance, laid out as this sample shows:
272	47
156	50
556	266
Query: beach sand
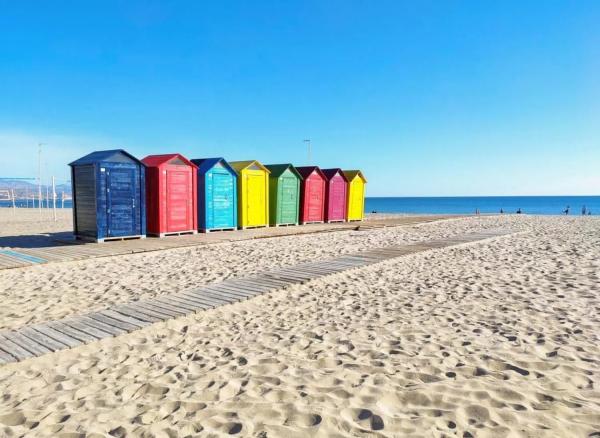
498	338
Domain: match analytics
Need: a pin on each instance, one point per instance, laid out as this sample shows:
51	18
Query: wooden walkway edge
47	337
66	250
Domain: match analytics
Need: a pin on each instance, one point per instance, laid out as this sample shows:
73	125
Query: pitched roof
278	169
241	165
330	173
157	160
351	174
109	155
205	164
306	171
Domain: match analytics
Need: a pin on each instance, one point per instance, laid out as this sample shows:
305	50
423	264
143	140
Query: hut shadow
44	240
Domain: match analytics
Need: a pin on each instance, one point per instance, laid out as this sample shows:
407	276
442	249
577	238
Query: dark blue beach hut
217	195
109	196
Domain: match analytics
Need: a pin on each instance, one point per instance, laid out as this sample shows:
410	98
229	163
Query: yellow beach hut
253	194
356	195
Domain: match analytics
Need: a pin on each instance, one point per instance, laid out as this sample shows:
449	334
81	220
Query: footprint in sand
364	419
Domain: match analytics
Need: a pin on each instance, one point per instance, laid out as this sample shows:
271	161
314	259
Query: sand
493	339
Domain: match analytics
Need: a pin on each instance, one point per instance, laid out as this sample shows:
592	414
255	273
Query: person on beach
519	210
583	211
501	211
566	210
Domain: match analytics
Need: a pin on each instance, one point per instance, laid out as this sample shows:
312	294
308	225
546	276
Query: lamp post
307	141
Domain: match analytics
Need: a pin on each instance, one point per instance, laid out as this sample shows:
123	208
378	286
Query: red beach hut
336	190
312	194
171	195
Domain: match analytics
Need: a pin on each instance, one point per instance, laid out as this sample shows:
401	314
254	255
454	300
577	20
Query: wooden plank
231	290
183	303
126	319
15	350
241	288
174	311
251	285
199	296
140	312
133	313
104	326
6	358
70	331
216	297
268	280
58	336
112	322
147	306
202	304
175	304
80	325
272	283
288	278
33	347
301	276
41	339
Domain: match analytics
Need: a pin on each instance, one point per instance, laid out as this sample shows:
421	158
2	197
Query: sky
428	98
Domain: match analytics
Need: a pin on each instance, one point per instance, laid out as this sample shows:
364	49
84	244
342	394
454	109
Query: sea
546	205
542	205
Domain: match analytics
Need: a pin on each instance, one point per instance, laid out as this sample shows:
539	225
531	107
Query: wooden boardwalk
62	250
36	340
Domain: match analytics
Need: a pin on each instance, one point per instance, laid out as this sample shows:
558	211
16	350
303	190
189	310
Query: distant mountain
23	188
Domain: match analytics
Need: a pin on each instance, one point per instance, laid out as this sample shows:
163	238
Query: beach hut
217	195
109	196
170	195
253	191
312	194
284	194
336	192
356	194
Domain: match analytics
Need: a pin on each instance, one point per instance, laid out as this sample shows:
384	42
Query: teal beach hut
217	195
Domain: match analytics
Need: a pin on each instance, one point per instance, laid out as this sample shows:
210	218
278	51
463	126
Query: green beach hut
284	194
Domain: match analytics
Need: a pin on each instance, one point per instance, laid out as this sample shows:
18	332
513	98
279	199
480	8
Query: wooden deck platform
69	249
43	338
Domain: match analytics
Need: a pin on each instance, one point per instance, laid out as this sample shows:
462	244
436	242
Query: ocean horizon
539	205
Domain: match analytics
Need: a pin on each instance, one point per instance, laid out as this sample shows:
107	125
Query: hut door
222	184
289	200
356	199
179	199
315	199
256	200
337	198
122	205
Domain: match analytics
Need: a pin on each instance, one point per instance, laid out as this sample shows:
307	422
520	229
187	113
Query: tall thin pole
13	200
40	176
307	141
54	198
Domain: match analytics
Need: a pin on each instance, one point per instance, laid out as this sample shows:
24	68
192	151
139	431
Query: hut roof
157	160
241	165
351	174
330	173
278	169
306	171
204	164
118	155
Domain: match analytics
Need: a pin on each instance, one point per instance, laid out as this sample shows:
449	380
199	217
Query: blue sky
427	97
